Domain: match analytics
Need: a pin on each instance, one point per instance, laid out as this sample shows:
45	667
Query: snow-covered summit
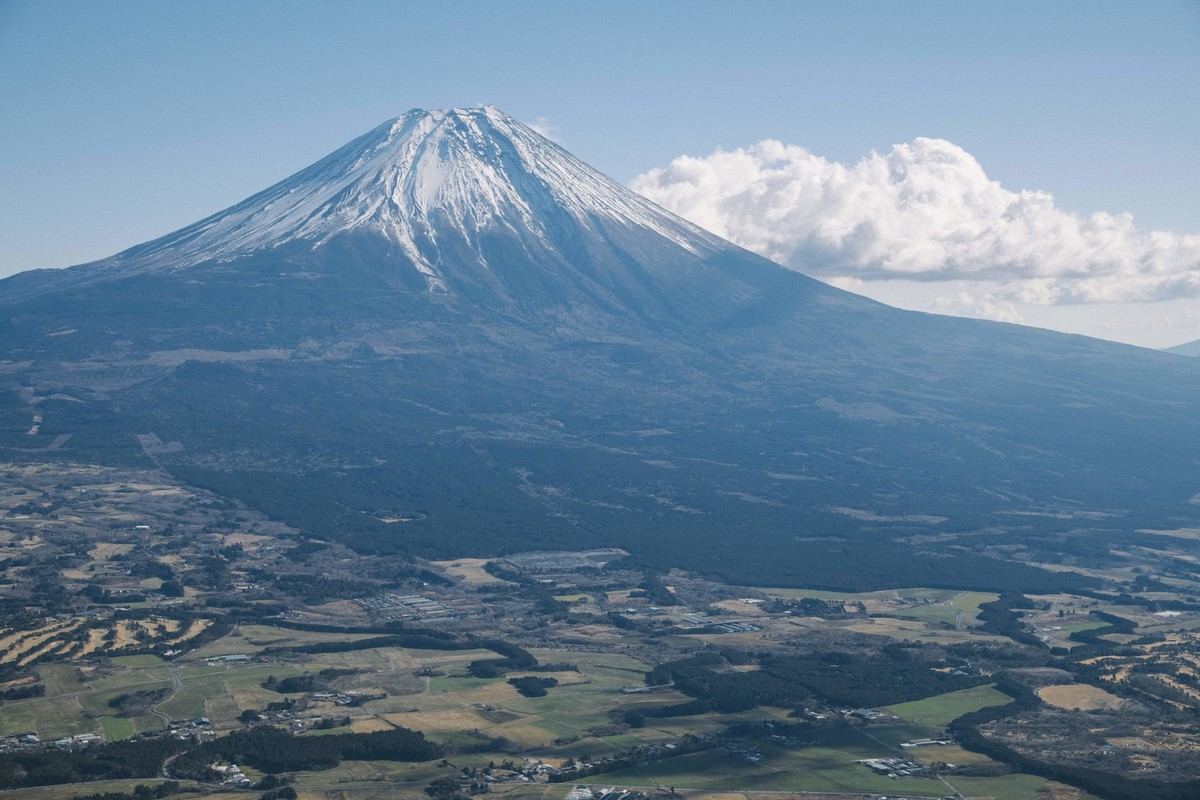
418	181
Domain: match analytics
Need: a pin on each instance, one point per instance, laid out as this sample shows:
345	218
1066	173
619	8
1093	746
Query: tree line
272	750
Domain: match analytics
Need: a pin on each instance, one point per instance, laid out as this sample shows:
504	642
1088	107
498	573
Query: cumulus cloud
925	211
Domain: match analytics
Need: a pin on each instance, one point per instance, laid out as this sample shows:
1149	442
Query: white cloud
985	305
547	128
925	211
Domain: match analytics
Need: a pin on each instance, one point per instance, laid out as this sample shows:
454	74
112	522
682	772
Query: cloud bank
925	211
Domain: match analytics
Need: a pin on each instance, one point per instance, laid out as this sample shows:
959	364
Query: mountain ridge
582	378
447	201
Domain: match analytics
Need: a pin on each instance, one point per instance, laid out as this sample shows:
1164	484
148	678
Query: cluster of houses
926	743
348	698
231	775
605	793
285	714
231	658
957	666
746	752
646	689
865	714
639	754
18	742
531	770
414	606
895	767
199	727
734	627
698	622
561	560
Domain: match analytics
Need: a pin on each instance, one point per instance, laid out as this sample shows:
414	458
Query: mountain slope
1186	349
453	321
468	203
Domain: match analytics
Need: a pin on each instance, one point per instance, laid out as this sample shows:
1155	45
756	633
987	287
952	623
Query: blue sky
125	120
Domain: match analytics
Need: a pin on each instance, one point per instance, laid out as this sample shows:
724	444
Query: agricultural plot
78	638
383	780
960	610
939	711
470	571
87	664
827	767
830	765
935	616
252	639
79	700
72	790
455	704
1079	697
50	718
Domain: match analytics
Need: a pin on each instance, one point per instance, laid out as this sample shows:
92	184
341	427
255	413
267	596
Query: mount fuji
453	322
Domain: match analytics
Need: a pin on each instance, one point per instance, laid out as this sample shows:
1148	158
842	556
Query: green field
1003	787
960	608
458	709
68	791
828	766
941	606
939	711
117	728
387	776
819	768
75	706
448	684
60	679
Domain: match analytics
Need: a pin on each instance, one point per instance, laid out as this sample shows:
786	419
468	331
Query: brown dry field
738	607
95	640
1079	696
369	725
29	641
194	629
126	631
441	720
102	551
470	570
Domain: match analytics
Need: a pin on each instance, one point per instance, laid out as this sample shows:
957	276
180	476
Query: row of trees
896	675
272	750
136	758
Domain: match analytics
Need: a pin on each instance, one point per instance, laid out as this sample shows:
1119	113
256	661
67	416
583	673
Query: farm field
77	701
454	705
827	767
939	711
72	790
885	646
935	616
919	603
1080	696
471	571
77	638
